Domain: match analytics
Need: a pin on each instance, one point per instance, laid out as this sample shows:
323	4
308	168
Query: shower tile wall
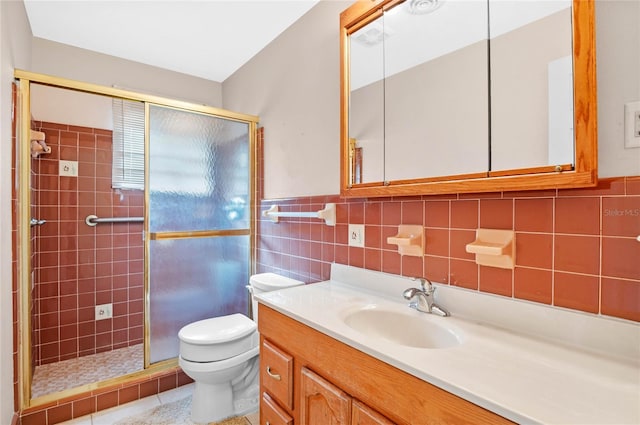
88	401
77	266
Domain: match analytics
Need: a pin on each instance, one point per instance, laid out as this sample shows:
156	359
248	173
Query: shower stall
134	219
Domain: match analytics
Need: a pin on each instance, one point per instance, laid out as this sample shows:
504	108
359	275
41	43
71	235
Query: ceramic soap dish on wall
410	240
494	248
38	145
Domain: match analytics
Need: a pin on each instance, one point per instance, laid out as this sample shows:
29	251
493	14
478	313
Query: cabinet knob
273	375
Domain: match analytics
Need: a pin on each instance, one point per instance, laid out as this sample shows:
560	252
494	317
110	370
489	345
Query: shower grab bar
328	214
93	220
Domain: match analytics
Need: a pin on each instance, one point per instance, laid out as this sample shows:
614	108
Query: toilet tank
267	282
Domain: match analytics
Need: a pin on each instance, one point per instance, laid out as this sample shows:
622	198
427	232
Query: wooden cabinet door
361	414
321	402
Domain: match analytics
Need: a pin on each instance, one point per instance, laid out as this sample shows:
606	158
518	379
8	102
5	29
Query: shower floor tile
54	377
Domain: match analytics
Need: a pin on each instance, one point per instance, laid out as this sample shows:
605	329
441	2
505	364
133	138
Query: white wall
53	104
15	51
618	63
293	85
61	60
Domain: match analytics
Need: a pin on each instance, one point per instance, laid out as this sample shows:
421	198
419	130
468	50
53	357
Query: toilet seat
218	338
218	365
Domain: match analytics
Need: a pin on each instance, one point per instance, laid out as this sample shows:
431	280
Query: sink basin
400	328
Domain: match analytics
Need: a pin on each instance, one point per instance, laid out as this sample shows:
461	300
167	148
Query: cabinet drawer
276	373
272	414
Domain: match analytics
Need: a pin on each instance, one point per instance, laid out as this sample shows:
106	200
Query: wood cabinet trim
585	173
361	414
563	180
320	399
273	414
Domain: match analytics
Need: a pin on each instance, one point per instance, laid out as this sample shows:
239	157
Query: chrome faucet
425	301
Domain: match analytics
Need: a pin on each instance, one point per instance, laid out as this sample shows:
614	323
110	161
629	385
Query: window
128	145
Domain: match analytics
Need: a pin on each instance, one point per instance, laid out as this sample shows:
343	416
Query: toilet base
224	389
211	402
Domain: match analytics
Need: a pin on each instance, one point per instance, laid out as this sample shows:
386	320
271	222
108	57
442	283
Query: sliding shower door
199	219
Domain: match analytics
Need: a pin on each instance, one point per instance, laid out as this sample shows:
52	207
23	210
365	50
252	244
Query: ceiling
210	39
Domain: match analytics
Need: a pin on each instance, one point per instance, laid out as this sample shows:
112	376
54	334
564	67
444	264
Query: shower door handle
36	222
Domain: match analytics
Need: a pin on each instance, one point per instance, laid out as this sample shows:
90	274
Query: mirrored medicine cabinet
455	96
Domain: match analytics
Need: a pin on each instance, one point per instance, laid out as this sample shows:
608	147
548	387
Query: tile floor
109	416
53	377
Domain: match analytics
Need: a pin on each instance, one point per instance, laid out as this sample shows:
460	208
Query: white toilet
221	355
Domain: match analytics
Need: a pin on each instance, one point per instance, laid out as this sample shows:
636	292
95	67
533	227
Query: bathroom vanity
324	378
350	350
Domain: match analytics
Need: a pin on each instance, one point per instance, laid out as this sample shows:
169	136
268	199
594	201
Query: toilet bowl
221	355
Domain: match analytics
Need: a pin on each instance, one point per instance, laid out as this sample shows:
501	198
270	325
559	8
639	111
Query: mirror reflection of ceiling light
422	7
372	34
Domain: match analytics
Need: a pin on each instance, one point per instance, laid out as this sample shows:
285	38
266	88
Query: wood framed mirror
456	96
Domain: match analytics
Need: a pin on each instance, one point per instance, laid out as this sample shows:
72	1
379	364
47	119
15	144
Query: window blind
128	145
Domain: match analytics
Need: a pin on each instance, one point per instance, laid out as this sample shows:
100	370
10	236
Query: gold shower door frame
24	303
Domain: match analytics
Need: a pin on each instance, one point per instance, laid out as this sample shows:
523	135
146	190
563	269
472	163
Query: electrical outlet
68	168
632	125
104	311
356	235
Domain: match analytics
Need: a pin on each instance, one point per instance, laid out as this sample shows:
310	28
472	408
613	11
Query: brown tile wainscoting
575	249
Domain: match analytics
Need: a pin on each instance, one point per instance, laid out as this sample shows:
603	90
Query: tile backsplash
575	249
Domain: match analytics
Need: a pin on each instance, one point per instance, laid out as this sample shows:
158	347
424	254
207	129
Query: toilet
221	355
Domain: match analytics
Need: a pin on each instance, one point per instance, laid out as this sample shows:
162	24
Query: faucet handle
409	293
425	284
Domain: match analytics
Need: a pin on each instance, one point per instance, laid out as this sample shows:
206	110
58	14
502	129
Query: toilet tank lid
272	281
217	330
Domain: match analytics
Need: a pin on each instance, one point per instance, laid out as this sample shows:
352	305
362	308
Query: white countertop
523	377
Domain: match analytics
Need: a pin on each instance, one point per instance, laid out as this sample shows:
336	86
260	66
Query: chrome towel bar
93	220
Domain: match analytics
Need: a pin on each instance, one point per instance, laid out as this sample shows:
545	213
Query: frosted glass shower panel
200	171
194	279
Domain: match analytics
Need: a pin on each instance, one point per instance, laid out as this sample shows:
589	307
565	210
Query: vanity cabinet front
323	403
333	383
276	373
271	413
361	414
